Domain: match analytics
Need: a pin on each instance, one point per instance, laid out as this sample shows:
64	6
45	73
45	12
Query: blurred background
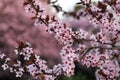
15	25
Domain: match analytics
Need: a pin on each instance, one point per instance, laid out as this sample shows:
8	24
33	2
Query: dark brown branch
86	50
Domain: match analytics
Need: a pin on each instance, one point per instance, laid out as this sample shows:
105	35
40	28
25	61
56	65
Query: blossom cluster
68	57
99	50
24	54
109	70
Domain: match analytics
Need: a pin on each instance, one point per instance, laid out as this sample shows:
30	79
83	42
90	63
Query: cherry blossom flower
2	56
5	66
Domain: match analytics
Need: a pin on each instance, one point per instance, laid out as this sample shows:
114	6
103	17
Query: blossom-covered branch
99	50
